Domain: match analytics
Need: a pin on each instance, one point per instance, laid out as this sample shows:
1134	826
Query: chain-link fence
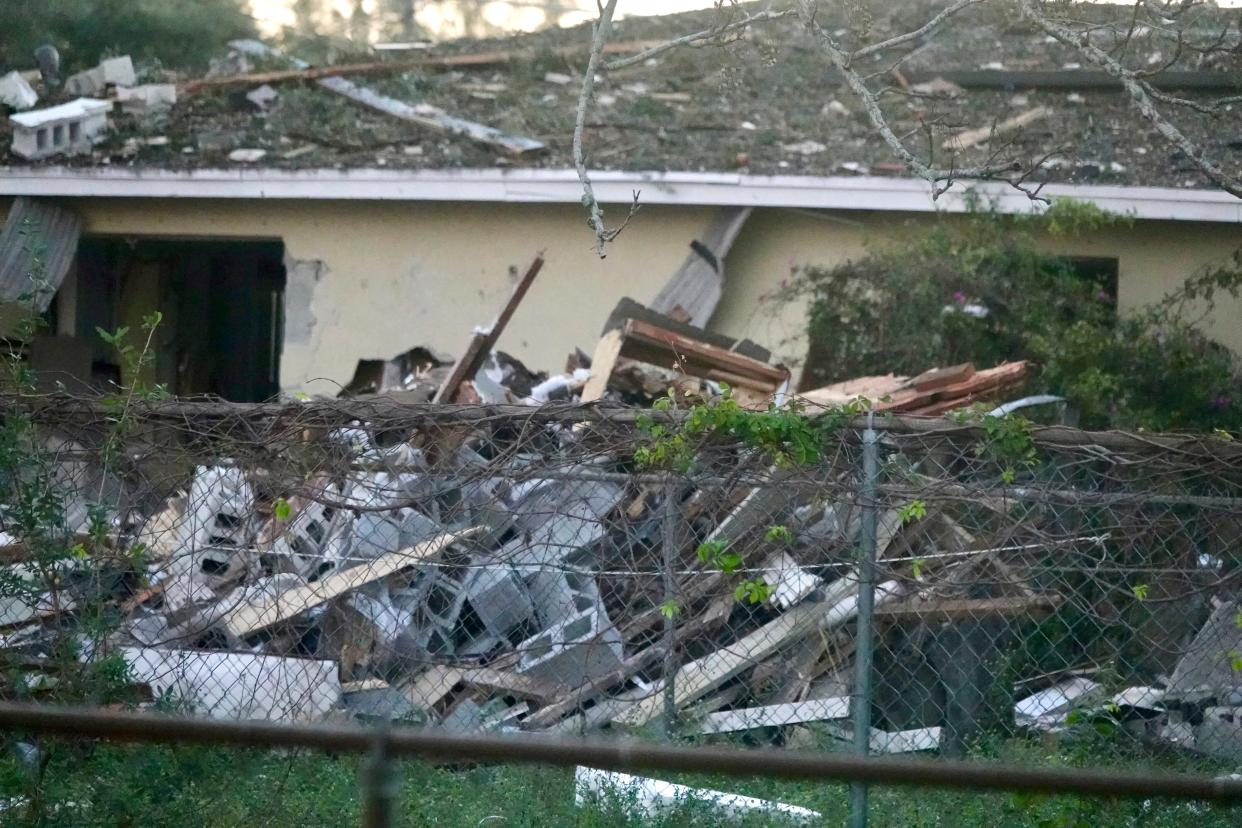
901	585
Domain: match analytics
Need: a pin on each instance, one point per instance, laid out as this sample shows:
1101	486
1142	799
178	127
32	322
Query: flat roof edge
560	186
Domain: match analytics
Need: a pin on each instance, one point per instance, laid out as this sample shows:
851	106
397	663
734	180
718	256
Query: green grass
95	785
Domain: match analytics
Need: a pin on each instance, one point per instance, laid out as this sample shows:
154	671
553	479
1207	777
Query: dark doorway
221	303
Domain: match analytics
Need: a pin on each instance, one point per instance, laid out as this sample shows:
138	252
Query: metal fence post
380	783
863	643
671	516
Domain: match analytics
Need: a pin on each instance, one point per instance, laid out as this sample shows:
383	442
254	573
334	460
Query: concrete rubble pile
466	579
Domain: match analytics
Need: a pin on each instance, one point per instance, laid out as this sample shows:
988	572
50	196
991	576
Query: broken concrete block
118	71
316	540
146	99
653	799
220	510
379	703
87	83
499	598
571	653
1220	733
238	685
67	129
375	534
16	92
561	594
1206	671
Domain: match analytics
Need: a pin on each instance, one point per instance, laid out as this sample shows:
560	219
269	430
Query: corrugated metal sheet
697	287
39	241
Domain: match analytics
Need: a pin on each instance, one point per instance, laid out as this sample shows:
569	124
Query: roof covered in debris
744	105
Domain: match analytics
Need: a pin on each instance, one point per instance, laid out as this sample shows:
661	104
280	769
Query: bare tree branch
940	179
1139	92
603	234
706	34
927	28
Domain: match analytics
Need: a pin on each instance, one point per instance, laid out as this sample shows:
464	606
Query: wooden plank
432	117
777	715
481	344
974	137
961	608
691	355
38	245
251	618
509	683
432	685
1082	80
628	309
698	284
699	677
607	351
389	67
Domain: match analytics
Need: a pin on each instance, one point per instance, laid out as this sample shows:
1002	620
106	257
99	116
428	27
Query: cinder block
500	599
571	653
68	129
316	541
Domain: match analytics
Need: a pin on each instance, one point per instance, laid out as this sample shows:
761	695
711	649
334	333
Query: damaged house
287	226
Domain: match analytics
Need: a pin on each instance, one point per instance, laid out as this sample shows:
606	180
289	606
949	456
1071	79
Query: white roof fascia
555	186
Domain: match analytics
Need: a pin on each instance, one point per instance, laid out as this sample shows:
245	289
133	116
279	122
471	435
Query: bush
981	290
183	34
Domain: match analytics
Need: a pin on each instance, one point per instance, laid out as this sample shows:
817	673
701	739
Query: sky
443	19
454	18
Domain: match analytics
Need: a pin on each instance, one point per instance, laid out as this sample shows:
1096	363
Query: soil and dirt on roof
767	102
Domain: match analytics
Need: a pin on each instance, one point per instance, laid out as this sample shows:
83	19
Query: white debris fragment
1075	98
938	86
652	798
1047	709
606	100
263	96
748	126
559	78
1115	167
993	66
16	92
412	149
247	156
150	97
807	147
835	107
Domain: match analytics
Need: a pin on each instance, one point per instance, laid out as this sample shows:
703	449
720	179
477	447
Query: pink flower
959	297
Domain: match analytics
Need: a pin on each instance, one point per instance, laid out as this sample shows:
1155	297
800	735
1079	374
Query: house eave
556	186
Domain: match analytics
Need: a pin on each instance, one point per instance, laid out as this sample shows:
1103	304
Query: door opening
221	304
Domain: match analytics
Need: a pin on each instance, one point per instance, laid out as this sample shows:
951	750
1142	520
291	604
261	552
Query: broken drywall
301	277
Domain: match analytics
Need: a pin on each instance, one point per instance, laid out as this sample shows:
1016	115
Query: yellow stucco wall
396	275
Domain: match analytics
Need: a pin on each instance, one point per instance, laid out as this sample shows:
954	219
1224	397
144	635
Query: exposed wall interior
373	279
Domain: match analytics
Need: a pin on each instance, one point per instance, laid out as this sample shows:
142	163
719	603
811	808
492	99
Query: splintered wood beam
250	618
481	344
